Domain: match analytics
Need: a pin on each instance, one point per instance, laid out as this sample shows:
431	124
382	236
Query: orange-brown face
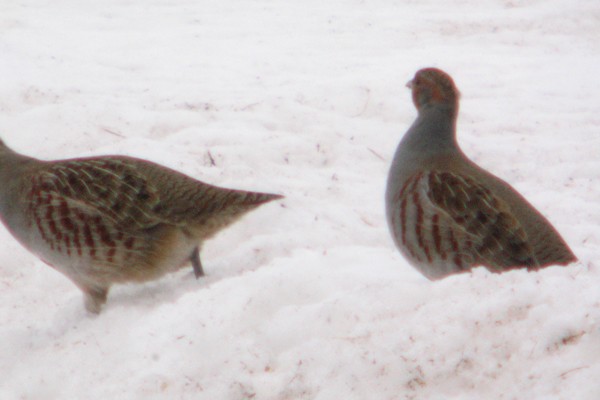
433	86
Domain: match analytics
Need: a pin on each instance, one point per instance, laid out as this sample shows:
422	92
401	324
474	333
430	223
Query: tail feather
229	201
227	209
254	198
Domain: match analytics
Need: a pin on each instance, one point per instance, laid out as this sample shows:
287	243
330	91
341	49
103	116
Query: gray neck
433	131
12	167
432	136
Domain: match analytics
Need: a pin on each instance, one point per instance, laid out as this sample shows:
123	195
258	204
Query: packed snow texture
307	298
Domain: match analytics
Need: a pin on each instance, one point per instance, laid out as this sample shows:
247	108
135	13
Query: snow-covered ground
307	298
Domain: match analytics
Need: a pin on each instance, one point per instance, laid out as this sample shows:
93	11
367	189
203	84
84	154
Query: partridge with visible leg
446	214
113	219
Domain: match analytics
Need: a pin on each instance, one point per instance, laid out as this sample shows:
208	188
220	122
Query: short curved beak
409	84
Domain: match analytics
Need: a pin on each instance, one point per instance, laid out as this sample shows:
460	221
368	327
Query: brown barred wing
481	222
109	187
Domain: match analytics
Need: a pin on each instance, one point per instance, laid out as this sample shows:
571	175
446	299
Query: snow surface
307	298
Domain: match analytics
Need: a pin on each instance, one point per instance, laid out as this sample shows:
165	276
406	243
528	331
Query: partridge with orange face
113	219
448	215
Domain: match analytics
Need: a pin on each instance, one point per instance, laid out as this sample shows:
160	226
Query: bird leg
94	299
195	259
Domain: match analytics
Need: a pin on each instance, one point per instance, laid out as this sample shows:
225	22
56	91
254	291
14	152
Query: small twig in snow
376	154
212	160
573	370
105	129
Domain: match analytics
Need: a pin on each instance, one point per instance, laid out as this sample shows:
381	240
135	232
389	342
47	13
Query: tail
220	201
228	207
255	198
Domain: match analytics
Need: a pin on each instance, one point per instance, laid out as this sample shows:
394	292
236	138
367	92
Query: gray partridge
446	214
113	219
